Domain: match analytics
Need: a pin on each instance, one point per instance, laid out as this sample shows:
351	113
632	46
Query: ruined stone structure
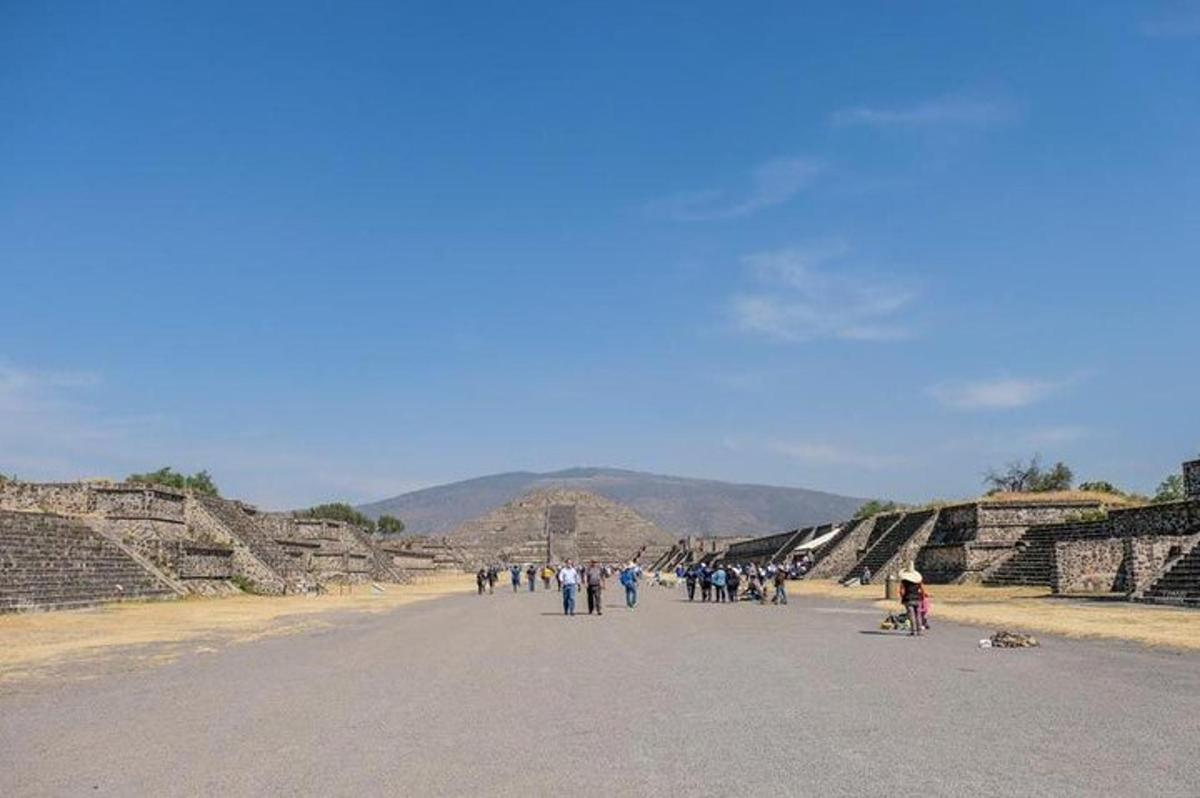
555	525
1149	553
971	541
693	550
423	553
51	561
140	536
1191	479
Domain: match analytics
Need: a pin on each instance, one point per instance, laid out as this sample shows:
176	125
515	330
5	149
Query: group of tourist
721	583
568	578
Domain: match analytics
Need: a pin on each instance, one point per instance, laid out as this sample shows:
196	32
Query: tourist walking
515	573
594	577
480	580
690	577
568	580
531	576
705	582
629	579
733	580
911	593
780	596
547	575
718	582
492	576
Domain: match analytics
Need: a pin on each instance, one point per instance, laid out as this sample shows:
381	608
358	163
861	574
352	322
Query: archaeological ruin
75	544
553	525
1145	553
66	545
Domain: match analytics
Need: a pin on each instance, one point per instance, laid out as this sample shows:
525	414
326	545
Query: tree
1021	477
339	511
1016	477
201	482
1170	490
875	507
389	526
1059	477
1100	486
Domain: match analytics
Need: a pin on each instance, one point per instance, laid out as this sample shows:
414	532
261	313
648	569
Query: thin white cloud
771	183
1179	20
962	111
824	453
798	298
1000	393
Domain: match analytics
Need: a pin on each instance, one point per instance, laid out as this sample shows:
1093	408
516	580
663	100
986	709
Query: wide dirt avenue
501	695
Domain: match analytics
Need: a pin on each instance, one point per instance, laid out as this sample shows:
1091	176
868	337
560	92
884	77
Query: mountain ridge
680	505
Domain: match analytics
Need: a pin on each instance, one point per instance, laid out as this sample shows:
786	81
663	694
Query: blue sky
343	250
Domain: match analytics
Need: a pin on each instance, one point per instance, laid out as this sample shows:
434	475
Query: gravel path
501	695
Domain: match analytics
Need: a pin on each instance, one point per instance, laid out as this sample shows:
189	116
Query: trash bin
891	588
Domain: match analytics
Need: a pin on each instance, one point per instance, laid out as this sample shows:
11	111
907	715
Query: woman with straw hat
910	596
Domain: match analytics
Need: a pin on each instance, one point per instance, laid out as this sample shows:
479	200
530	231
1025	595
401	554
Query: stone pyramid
559	524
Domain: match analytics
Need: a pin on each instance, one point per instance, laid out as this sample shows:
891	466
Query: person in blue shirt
718	580
629	580
516	577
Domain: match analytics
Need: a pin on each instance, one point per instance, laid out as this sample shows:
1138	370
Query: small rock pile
1006	639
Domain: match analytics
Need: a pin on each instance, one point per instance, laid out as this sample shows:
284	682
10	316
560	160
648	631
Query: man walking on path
594	577
531	576
515	572
780	596
568	579
547	575
718	580
629	578
492	575
480	580
690	576
732	581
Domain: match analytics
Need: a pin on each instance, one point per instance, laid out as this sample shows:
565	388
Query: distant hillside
679	505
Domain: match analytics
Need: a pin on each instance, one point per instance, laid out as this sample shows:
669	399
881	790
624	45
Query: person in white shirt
568	577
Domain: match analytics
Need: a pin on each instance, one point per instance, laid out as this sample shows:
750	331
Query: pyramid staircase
889	543
836	540
1033	563
51	562
242	527
380	561
1180	584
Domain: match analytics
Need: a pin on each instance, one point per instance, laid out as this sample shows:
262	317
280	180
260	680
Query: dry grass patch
1034	609
39	640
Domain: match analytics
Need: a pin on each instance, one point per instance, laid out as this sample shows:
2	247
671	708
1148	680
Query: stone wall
1125	553
1090	566
98	498
758	550
1191	479
68	498
971	540
195	561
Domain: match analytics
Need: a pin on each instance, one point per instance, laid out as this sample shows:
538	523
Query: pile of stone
1006	639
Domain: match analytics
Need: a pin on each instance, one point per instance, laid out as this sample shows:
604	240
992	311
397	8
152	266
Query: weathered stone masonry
180	542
